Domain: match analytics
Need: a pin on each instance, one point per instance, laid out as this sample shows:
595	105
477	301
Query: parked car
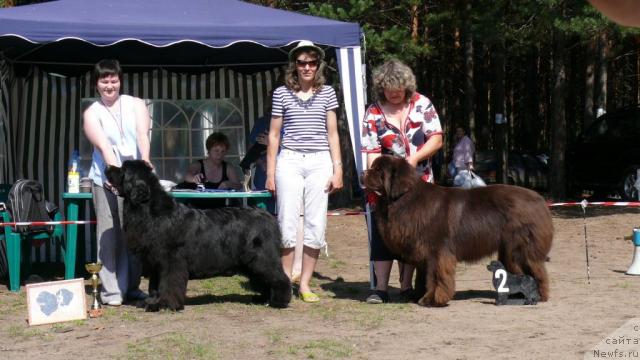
607	157
524	168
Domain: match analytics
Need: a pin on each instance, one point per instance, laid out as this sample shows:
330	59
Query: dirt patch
219	321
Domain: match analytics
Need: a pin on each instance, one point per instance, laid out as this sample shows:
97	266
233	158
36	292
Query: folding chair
18	245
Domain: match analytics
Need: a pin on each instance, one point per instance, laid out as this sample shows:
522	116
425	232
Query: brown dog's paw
426	300
430	300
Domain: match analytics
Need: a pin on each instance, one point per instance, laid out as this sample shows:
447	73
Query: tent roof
139	30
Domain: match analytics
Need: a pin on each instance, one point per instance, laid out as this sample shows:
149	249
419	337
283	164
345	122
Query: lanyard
115	119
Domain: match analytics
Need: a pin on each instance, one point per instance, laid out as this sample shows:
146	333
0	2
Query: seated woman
213	172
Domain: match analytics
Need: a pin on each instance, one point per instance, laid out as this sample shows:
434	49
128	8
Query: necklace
304	103
116	118
124	149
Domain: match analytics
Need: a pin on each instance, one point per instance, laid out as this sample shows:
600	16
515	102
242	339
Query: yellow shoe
309	297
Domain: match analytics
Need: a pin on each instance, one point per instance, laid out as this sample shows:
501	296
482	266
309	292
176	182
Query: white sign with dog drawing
56	301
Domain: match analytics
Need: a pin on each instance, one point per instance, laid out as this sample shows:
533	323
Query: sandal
309	297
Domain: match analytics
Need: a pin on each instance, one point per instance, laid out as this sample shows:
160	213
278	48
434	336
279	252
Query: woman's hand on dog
413	161
107	185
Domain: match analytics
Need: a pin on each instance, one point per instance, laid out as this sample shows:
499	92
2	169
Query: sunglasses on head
311	63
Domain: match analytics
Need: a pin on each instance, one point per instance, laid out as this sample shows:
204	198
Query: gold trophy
96	309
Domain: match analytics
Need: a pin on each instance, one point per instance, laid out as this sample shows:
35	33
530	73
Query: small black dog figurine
510	284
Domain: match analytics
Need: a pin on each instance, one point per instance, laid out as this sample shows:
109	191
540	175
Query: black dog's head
495	265
134	180
390	177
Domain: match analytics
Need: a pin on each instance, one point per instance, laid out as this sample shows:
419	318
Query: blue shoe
136	294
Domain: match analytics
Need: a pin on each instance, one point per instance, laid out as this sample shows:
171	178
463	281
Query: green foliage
10	3
386	26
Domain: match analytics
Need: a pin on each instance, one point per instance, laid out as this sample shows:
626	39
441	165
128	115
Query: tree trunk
414	22
531	112
637	70
482	80
589	86
559	127
501	141
469	88
601	80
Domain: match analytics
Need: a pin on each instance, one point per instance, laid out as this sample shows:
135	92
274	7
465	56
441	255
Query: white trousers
301	181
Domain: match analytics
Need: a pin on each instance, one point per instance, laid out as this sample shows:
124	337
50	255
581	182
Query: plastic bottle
73	176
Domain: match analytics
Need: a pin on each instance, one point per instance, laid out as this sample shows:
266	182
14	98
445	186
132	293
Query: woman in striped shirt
303	157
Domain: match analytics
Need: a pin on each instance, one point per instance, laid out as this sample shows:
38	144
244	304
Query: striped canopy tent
188	50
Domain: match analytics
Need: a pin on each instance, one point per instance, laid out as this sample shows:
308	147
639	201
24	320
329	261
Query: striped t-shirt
304	123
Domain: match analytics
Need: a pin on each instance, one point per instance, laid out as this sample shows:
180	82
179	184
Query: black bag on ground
27	203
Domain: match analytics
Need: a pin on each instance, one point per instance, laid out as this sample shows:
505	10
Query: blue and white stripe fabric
304	123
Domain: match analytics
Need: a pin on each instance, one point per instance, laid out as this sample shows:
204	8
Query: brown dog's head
133	181
390	177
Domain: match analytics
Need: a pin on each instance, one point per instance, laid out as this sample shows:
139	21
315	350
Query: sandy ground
220	323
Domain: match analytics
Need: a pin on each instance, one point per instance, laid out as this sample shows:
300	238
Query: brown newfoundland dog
434	227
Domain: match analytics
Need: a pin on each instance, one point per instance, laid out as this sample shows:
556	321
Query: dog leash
583	204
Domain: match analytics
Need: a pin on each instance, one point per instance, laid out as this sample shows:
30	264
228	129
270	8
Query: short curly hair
393	74
217	138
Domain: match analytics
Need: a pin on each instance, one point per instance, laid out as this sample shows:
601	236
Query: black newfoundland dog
434	227
176	243
507	285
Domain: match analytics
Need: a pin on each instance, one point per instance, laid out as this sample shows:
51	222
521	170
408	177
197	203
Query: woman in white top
118	127
303	163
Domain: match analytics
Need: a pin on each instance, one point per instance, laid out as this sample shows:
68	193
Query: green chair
4	196
18	244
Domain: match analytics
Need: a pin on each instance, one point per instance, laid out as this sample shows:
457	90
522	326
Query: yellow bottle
73	176
73	181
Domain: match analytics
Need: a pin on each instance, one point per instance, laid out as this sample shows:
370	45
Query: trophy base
94	313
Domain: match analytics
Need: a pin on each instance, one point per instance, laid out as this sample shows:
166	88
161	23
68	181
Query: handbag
467	179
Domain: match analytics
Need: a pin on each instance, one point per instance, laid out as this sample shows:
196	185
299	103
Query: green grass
13	304
336	264
224	285
171	346
624	285
24	333
275	336
129	316
327	349
79	322
359	314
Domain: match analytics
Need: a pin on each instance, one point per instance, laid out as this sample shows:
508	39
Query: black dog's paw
502	299
152	304
259	299
532	301
152	308
278	305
